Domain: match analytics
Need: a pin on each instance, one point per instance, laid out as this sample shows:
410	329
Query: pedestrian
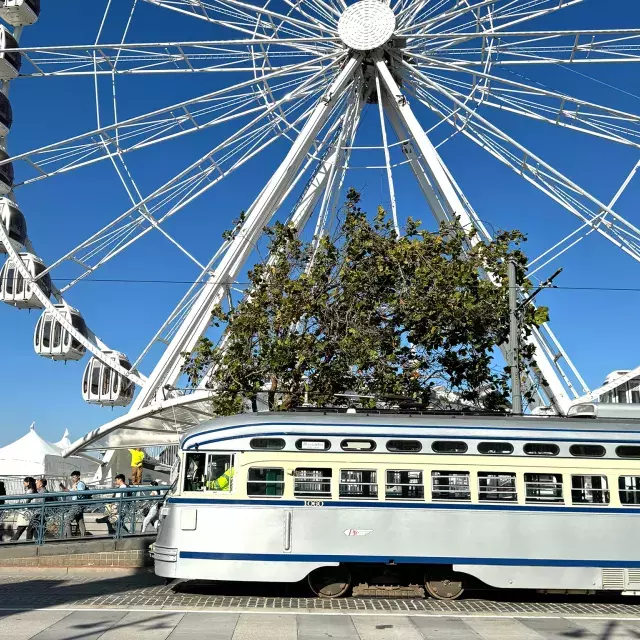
41	487
75	513
112	512
137	457
24	517
153	516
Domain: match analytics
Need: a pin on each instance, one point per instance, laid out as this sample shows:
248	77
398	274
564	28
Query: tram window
543	487
218	478
587	450
450	485
358	445
495	448
541	449
628	451
313	445
273	444
194	471
264	481
358	483
629	489
404	446
404	485
312	483
589	490
497	487
449	446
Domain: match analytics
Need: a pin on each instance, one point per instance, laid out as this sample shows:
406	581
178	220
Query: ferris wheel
313	90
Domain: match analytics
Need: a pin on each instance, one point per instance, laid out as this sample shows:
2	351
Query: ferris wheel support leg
169	367
448	205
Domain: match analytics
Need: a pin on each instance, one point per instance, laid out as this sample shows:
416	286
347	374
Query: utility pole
514	340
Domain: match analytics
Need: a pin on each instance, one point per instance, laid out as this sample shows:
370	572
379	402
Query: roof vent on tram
20	13
53	340
10	60
20	292
14	223
104	386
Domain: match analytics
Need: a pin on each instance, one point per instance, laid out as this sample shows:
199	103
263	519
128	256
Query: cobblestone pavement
110	606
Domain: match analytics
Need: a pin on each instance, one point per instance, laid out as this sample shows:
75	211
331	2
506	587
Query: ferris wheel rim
488	61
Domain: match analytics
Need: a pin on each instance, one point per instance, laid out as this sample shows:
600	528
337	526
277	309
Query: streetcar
380	500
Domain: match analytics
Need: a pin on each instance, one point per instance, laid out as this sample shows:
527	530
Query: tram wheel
443	588
330	582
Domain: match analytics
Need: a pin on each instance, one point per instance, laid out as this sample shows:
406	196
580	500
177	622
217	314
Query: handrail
50	515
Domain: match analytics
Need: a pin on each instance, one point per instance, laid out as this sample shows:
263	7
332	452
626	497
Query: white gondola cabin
6	115
14	224
10	60
6	173
52	340
20	13
17	291
102	385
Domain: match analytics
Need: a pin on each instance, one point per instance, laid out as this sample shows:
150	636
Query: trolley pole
514	339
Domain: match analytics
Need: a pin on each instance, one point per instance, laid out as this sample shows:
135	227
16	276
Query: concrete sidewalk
110	624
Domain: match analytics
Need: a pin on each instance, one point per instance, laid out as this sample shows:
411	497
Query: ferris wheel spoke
534	47
198	178
497	14
215	56
514	12
532	168
251	13
535	101
169	366
165	124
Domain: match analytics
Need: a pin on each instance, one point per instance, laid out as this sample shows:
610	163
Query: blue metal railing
41	517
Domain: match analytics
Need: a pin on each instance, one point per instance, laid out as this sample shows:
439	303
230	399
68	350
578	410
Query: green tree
368	312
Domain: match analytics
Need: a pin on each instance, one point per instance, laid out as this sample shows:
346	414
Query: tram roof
167	421
383	423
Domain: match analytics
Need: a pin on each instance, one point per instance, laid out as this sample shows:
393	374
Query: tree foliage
371	313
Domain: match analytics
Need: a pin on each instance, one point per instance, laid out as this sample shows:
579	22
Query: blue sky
596	327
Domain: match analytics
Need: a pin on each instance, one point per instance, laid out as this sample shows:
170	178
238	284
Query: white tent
32	455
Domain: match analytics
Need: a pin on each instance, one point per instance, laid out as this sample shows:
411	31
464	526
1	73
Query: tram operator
223	482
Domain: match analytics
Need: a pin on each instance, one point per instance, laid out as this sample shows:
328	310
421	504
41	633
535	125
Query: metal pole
514	337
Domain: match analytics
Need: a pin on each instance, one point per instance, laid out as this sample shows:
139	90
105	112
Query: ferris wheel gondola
13	220
10	60
17	291
6	174
20	13
104	386
52	340
6	115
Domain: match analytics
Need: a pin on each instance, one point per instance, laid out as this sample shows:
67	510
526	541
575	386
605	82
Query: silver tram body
529	502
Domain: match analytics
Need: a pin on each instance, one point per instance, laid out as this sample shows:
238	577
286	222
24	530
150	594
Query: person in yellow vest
137	456
223	482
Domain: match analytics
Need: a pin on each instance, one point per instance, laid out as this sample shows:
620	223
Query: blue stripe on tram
515	562
368	504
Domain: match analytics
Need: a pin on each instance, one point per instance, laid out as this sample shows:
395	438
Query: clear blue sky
598	328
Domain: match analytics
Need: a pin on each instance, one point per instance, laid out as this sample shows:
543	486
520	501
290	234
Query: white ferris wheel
298	76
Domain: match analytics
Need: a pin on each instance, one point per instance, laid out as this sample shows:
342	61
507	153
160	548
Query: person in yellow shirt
223	482
137	456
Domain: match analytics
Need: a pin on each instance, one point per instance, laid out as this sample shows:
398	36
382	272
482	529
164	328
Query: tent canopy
32	455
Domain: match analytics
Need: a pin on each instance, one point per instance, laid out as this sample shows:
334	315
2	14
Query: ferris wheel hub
366	25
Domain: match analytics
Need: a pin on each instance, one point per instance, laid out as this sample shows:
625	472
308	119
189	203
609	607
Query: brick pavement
33	589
